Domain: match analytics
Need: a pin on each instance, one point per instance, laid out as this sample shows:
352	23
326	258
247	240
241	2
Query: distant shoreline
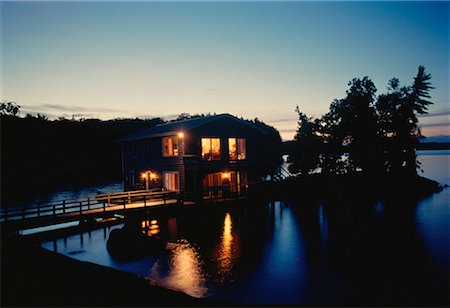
433	146
287	145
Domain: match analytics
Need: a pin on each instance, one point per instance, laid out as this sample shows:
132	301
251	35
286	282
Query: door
171	180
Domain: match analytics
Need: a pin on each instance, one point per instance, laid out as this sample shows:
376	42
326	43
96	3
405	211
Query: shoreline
51	279
33	276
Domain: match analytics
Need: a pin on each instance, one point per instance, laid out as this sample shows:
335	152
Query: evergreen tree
407	132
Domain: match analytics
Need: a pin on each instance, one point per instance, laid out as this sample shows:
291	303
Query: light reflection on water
225	258
281	253
185	272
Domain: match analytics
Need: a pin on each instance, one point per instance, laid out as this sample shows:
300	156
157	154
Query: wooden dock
85	210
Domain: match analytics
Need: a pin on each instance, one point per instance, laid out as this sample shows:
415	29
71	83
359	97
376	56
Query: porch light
152	175
181	135
225	175
144	175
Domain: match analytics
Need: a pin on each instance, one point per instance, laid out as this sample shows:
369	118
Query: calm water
385	252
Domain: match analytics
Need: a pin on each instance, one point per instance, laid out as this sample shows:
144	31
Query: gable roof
169	128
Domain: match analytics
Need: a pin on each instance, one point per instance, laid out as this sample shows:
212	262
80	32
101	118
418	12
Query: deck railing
71	206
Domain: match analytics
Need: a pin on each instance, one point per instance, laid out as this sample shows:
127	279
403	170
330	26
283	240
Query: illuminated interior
215	184
171	181
236	148
170	146
210	148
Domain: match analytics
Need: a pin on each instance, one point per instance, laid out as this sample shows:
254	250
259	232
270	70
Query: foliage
362	132
9	108
305	157
39	154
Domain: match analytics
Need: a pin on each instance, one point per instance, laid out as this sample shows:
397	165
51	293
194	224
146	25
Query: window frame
210	148
175	174
175	141
238	150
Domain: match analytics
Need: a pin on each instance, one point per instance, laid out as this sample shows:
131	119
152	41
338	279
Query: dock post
124	202
89	203
39	211
109	199
129	197
104	209
81	207
145	201
64	206
54	209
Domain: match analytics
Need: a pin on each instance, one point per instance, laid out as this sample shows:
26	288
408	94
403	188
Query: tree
305	155
412	101
9	108
353	123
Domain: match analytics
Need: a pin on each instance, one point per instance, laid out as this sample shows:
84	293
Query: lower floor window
171	181
227	181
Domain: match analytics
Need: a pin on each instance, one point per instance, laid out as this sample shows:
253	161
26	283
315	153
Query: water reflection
150	227
185	272
361	252
227	249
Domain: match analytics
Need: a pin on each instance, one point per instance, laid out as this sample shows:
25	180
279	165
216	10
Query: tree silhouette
398	111
9	108
365	133
305	156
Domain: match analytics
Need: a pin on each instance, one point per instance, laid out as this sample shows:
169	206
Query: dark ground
34	277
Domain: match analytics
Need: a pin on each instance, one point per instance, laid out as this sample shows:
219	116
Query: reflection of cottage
208	155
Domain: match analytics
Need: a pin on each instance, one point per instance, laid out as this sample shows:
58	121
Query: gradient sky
249	59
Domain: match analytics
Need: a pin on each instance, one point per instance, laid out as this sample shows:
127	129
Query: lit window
236	148
210	148
170	146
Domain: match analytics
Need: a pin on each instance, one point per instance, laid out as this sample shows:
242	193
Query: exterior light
181	135
152	175
225	175
144	175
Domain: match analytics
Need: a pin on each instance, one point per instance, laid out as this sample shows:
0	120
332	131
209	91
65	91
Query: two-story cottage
200	156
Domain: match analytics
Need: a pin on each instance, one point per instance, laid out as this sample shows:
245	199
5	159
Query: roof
182	125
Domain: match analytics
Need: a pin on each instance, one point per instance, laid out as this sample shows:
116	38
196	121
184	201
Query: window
236	148
210	148
171	181
170	146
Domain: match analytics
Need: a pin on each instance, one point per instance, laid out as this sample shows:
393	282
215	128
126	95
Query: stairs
279	175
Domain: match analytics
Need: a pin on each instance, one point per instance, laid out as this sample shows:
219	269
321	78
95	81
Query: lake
383	252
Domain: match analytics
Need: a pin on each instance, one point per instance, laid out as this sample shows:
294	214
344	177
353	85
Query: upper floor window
170	146
210	148
236	148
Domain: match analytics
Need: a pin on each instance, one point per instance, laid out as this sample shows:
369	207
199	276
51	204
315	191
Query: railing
284	173
223	193
279	175
85	205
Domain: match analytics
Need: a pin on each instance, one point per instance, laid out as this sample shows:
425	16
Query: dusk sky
249	59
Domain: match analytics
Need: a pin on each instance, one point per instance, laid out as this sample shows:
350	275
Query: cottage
200	157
